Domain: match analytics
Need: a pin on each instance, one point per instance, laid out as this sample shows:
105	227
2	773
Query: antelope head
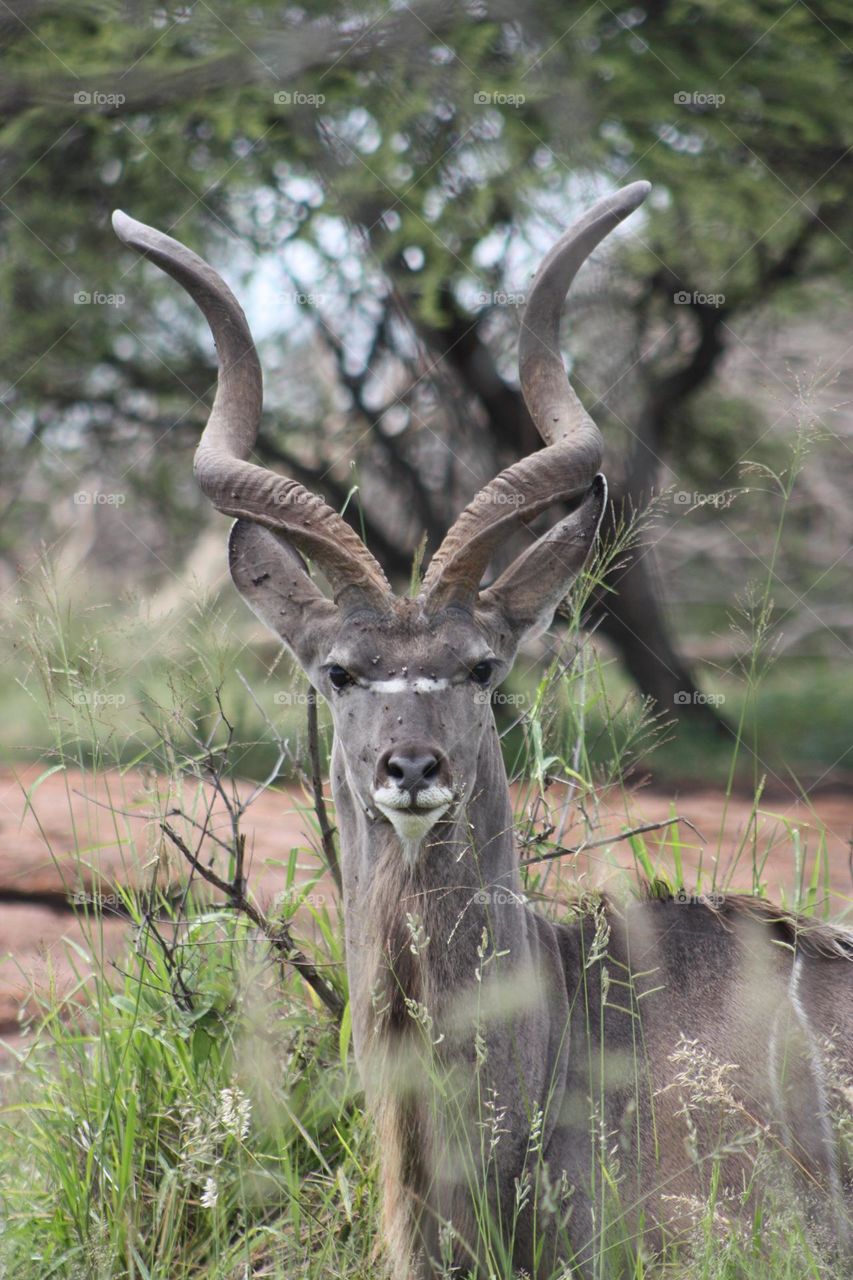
408	680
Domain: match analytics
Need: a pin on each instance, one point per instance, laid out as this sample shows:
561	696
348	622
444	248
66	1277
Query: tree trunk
631	613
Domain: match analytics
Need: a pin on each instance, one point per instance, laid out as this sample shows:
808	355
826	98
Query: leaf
28	795
201	1044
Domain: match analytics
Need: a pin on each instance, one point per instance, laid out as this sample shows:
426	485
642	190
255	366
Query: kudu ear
272	578
526	594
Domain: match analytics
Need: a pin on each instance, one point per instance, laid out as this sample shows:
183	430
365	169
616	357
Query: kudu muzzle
413	788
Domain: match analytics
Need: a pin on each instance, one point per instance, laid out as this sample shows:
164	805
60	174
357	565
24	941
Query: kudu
541	1091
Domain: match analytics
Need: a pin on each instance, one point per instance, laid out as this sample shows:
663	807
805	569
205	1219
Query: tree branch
327	833
278	936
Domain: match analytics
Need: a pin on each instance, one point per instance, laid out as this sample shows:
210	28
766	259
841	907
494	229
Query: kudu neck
416	927
473	845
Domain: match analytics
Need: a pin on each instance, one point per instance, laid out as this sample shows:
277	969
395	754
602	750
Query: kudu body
518	1070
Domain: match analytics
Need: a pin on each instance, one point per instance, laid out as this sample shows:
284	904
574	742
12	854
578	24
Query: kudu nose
411	768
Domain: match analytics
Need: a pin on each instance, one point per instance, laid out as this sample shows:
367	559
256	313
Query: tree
411	165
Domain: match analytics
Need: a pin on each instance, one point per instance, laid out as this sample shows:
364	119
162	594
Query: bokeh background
377	184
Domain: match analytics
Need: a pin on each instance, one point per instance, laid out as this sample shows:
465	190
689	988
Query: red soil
84	834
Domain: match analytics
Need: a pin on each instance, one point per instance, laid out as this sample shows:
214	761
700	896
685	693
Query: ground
80	835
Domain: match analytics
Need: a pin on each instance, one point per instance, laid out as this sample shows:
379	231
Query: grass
78	682
197	1113
208	1133
194	1111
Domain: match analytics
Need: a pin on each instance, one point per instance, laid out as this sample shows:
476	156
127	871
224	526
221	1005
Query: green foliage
188	1121
187	135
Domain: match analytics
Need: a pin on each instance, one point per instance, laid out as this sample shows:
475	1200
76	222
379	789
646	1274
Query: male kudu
541	1091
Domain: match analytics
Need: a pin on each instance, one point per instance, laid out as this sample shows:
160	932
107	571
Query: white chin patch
412	824
411	827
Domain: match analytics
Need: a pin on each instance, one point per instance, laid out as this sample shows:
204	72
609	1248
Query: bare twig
203	827
327	833
180	990
278	935
562	851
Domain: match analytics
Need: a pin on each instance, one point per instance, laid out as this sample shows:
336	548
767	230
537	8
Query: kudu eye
482	672
339	678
